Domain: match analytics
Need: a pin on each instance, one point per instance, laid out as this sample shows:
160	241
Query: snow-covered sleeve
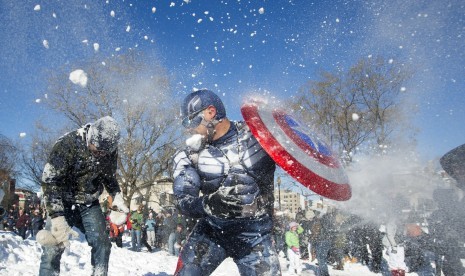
187	186
54	178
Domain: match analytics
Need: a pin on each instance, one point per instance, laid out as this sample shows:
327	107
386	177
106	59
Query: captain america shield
298	150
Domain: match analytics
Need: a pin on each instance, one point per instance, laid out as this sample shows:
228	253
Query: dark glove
223	203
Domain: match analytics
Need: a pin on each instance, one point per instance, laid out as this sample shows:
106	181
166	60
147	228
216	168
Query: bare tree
8	157
34	156
134	89
357	107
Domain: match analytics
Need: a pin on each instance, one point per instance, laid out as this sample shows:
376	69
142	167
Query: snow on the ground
18	257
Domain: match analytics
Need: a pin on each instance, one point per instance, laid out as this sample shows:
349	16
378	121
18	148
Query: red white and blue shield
298	150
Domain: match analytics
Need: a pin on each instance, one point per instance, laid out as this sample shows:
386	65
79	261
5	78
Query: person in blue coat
224	178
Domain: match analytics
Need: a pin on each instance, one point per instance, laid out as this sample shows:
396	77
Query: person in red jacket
22	224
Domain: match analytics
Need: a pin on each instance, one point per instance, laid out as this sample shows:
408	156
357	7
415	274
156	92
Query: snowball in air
355	117
112	13
96	47
38	100
154	9
22	134
45	43
78	77
261	10
37	8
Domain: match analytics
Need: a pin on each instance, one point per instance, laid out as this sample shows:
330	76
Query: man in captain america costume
224	178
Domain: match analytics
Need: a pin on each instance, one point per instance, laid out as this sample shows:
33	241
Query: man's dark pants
91	222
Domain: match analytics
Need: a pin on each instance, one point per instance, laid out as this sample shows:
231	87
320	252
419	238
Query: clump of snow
96	47
78	77
45	43
355	117
195	141
37	8
261	10
154	9
22	134
112	13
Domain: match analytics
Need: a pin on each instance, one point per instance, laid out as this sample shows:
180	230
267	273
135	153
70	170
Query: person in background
23	223
180	238
293	247
137	220
225	179
80	166
150	224
37	222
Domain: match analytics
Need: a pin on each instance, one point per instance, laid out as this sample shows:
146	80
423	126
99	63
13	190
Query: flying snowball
22	134
78	77
355	117
38	100
154	9
112	13
37	8
45	43
96	47
403	89
261	10
128	28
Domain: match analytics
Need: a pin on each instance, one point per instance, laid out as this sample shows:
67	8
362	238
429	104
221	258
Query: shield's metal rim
316	183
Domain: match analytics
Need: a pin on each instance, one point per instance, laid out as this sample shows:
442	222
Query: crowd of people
26	222
165	230
430	244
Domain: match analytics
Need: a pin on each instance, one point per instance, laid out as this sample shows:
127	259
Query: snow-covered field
18	257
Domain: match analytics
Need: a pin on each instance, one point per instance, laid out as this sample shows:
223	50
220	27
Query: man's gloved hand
223	203
61	230
45	238
118	201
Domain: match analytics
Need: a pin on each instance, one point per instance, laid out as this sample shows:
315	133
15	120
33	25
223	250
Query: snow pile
18	257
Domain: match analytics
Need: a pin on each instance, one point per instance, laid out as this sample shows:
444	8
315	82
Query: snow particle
22	134
355	117
403	89
38	100
96	47
154	9
112	13
128	28
261	10
37	8
45	43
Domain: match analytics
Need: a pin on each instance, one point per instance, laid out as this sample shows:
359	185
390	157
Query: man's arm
53	178
186	186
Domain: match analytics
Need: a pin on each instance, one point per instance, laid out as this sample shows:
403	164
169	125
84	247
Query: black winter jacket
74	176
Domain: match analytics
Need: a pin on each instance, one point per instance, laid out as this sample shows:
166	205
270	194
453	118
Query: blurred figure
37	222
137	220
446	228
150	228
22	224
293	247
